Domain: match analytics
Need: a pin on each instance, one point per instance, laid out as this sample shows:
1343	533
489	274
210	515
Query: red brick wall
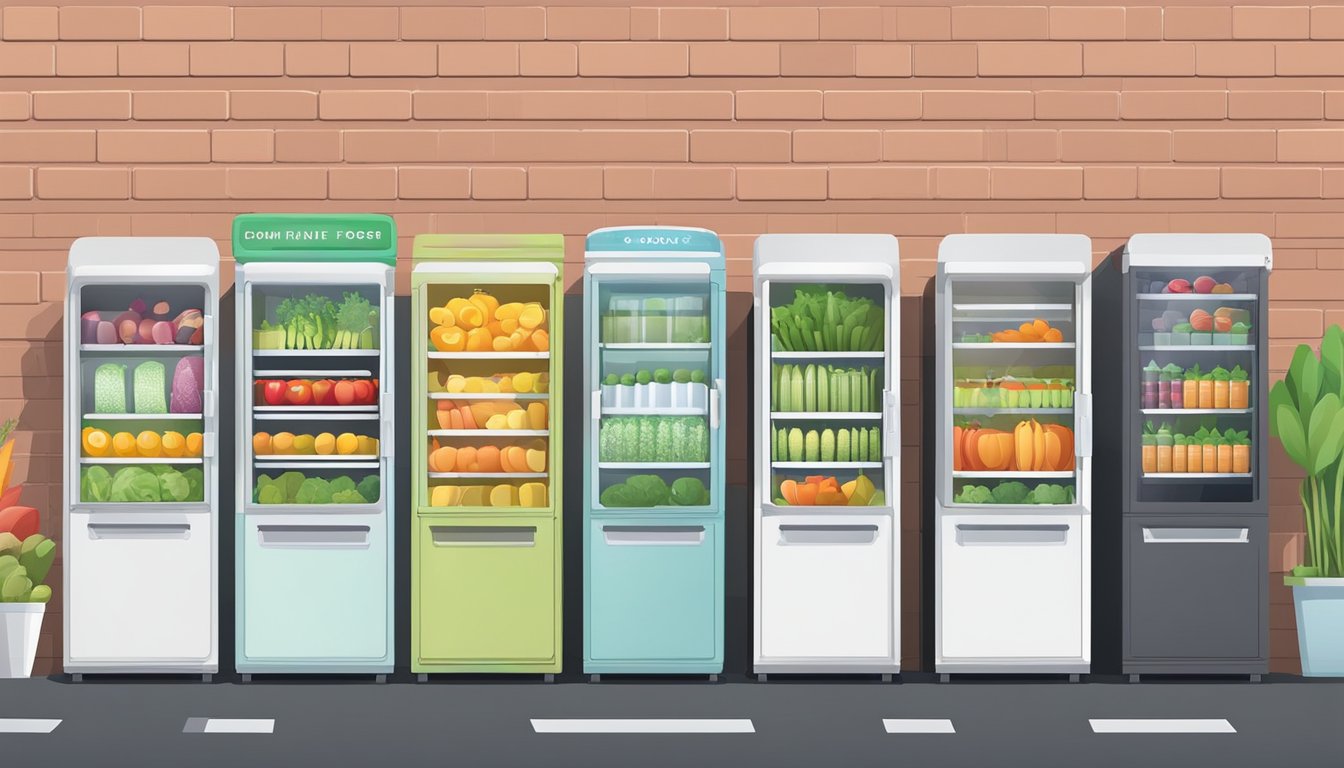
917	119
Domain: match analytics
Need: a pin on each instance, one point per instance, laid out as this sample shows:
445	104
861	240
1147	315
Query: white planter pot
681	394
609	395
1319	604
642	396
20	626
661	395
699	395
625	395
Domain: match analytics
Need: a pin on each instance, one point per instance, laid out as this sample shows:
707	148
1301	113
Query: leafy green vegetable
1048	493
342	483
1238	374
313	490
643	377
173	486
974	494
133	484
347	497
370	488
611	380
195	483
95	484
826	320
628	380
689	492
270	494
681	375
698	376
1220	374
1011	492
638	491
662	376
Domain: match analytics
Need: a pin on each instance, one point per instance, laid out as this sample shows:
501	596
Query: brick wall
917	119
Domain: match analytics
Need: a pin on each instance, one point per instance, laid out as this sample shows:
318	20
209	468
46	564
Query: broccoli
1048	493
1011	492
974	494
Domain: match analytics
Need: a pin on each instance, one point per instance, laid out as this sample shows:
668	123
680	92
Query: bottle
1165	447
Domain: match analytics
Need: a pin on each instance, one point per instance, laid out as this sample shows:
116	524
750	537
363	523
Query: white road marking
27	725
228	725
1162	725
918	725
643	726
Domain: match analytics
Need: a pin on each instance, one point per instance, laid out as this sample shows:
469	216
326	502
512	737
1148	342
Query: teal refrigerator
653	485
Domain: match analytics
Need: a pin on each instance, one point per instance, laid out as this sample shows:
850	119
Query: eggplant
88	327
106	333
163	332
189	325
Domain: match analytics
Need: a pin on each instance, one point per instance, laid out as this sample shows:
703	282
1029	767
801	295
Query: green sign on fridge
314	237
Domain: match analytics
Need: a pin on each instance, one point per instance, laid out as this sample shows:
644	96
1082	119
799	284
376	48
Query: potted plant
1194	455
1180	334
1239	391
1149	440
24	564
661	388
1306	414
642	380
609	385
1190	388
1222	387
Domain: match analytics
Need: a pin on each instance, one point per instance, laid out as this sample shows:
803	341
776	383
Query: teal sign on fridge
653	486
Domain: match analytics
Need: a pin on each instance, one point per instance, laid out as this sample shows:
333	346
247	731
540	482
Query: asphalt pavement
634	722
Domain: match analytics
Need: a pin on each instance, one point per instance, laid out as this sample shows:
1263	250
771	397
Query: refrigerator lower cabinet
1196	589
654	596
314	592
1011	588
827	588
487	591
140	589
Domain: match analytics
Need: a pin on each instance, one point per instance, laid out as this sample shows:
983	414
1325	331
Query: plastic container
657	320
690	321
626	323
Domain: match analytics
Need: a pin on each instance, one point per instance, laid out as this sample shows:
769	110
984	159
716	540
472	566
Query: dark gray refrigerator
1185	497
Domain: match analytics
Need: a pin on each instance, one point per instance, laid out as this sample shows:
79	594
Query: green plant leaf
1305	371
1318	429
1331	444
1280	395
1332	360
1291	435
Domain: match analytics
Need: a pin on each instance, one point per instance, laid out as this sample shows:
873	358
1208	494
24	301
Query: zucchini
810	388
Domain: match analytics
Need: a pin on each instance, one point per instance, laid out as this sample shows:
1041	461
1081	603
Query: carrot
789	490
807	494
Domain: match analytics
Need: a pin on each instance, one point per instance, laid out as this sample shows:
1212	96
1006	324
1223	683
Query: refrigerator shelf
653	465
138	460
780	354
827	415
312	462
1196	411
1013	308
1209	297
489	395
488	432
324	409
316	352
1197	348
481	475
328	458
142	349
310	414
311	373
967	345
826	464
1013	474
1013	411
819	509
620	410
654	346
144	416
1173	476
488	355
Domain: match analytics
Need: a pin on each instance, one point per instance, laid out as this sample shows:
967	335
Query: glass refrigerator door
655	365
828	364
142	371
315	366
1013	369
488	376
1198	361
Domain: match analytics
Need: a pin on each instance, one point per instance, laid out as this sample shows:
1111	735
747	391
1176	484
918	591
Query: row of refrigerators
1177	474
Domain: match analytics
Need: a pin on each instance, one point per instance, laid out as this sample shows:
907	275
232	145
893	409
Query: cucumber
842	446
874	395
795	444
782	399
862	453
828	445
856	384
782	439
813	447
842	384
810	388
796	389
823	388
774	386
774	446
874	444
835	389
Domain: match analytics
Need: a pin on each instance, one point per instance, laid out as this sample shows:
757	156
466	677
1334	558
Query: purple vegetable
107	333
162	332
138	306
88	328
188	382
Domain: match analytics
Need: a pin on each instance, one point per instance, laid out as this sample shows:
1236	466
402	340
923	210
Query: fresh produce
1239	388
1030	447
502	495
824	388
1205	451
491	414
1035	332
1179	285
820	490
24	565
142	324
150	483
1009	392
6	456
479	323
689	492
322	392
97	442
653	439
1015	492
826	445
324	444
149	385
316	322
489	459
821	320
109	388
652	491
188	385
20	522
1202	284
295	488
501	383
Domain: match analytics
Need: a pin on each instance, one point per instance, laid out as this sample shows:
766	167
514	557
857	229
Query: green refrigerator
486	453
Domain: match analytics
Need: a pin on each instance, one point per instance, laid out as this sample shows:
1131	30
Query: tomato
274	393
322	394
299	392
364	392
344	393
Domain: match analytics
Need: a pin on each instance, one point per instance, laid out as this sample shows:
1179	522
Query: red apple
274	392
1178	286
299	392
322	394
344	392
1204	284
363	392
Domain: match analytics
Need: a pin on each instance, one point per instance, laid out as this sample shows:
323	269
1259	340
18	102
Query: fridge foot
1255	678
422	678
548	678
207	677
247	677
762	677
77	678
1074	678
594	678
380	679
713	678
944	678
1133	678
886	678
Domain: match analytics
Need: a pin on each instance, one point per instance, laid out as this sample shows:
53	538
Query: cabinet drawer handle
969	534
827	534
139	530
314	536
1196	535
653	535
483	535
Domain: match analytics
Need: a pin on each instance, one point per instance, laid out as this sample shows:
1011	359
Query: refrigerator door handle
714	404
827	534
313	536
969	534
595	412
208	334
1083	403
139	530
653	535
483	535
385	428
891	441
1196	536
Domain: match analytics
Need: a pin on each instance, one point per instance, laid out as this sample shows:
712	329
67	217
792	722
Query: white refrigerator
827	464
1013	497
140	509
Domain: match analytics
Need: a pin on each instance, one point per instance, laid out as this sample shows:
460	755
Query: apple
1222	288
274	392
322	394
1178	285
299	392
363	392
1204	284
344	392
